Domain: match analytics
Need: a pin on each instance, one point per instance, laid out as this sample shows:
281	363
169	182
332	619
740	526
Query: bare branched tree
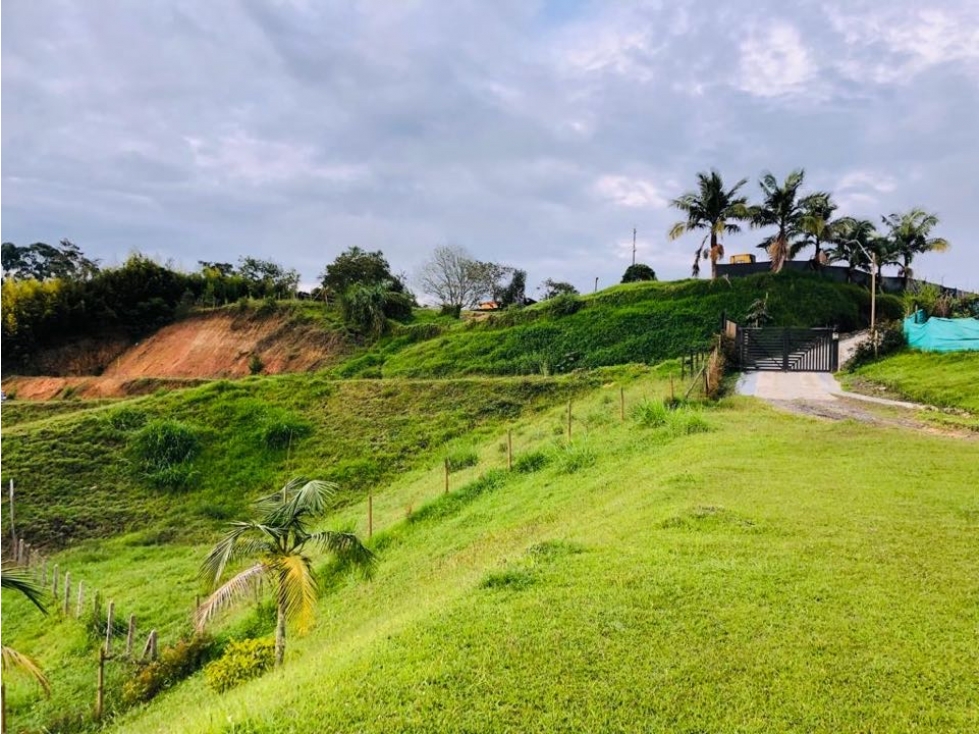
455	278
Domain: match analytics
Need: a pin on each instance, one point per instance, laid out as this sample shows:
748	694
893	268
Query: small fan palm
855	240
816	225
781	207
278	541
909	236
710	207
12	660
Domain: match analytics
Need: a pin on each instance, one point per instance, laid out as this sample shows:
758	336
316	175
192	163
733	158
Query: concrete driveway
817	386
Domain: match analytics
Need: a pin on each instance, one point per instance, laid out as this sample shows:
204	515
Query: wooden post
44	572
672	394
13	529
446	476
67	603
153	645
28	554
706	383
100	685
54	582
370	514
81	595
130	634
509	450
108	627
569	420
622	404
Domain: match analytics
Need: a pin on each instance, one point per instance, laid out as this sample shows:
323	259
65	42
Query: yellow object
740	259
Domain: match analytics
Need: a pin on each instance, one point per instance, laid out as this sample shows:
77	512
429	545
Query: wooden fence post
446	476
569	420
44	572
672	394
108	627
20	550
100	685
81	594
622	404
130	634
509	449
13	530
54	582
67	603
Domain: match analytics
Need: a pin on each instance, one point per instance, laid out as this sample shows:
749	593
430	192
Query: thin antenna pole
633	245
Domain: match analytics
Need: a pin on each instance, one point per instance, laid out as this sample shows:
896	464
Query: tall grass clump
283	430
532	461
461	458
165	450
680	420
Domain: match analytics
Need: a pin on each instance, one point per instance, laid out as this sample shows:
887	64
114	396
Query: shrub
255	364
242	661
531	462
165	449
890	339
562	305
175	664
651	414
283	430
462	458
448	309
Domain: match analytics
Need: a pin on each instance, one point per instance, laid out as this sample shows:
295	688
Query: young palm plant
277	541
781	207
854	241
909	236
15	580
817	225
710	207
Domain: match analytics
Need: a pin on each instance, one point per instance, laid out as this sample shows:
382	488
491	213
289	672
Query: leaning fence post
67	602
129	635
108	627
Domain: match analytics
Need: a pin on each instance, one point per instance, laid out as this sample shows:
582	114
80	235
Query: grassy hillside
642	577
948	380
97	472
639	322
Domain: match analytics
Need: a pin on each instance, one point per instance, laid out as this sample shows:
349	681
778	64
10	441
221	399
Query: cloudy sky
536	134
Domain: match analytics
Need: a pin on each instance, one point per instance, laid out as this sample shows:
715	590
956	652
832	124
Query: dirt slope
204	346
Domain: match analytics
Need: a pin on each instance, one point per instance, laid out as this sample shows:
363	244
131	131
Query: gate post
785	349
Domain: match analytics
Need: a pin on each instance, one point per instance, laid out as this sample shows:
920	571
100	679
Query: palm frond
17	579
296	588
311	499
677	230
347	548
227	550
17	661
233	589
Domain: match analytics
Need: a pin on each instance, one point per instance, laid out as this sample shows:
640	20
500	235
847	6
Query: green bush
651	414
255	364
283	430
890	339
532	461
462	458
242	661
562	305
164	449
175	664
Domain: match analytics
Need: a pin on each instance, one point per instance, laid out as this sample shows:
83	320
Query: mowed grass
948	380
762	576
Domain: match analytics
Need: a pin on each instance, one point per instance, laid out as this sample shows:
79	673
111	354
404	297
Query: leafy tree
12	660
216	269
278	540
782	207
817	225
456	279
551	288
638	272
357	266
268	278
513	293
42	261
908	236
710	207
365	307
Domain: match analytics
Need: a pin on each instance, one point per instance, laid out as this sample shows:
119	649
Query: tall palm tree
781	207
16	580
909	236
853	240
710	207
817	225
278	541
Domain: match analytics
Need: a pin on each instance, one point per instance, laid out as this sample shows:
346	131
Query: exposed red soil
205	346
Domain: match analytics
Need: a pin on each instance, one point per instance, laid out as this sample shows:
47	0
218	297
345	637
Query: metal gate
788	349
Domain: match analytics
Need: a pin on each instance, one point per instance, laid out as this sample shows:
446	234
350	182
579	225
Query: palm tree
909	236
817	225
278	541
781	207
853	240
711	207
16	580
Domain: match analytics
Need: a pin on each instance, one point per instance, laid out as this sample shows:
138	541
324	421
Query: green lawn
949	380
776	573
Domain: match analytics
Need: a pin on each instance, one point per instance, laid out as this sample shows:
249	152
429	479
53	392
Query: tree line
801	220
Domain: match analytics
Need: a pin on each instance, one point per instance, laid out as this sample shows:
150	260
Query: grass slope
948	380
638	579
639	322
78	475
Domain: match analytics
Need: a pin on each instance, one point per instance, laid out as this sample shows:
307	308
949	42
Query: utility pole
633	245
873	300
596	284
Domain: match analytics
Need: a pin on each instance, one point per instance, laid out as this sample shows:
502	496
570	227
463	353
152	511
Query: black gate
788	349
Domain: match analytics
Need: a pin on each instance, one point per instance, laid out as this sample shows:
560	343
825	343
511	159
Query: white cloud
633	193
775	63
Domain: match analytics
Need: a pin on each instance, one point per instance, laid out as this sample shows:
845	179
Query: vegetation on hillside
947	379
